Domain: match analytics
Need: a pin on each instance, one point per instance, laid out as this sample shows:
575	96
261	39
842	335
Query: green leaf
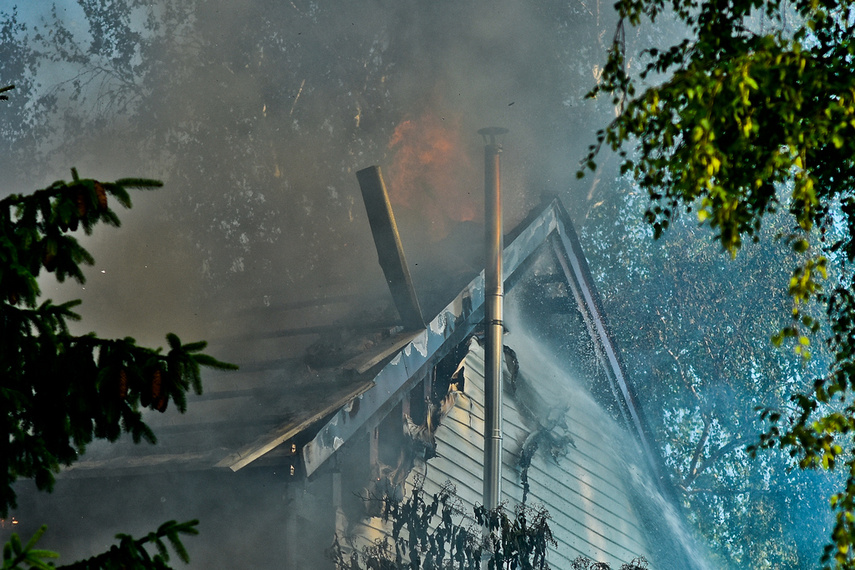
801	246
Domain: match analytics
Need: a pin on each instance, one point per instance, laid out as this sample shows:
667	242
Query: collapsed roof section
550	227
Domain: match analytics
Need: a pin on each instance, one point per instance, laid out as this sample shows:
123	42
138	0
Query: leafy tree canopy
697	324
751	113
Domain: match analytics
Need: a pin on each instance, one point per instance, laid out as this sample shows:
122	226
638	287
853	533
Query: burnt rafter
390	251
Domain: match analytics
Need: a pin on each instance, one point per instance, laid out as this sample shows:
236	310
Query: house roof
566	407
551	227
316	397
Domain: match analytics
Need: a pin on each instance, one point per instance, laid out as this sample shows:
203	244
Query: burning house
371	400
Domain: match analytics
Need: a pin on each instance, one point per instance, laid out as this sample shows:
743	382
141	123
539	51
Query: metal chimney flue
389	249
493	316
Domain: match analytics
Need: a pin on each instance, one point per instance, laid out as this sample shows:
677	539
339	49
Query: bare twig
297	98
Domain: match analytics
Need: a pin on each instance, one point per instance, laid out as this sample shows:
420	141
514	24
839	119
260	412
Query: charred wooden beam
389	248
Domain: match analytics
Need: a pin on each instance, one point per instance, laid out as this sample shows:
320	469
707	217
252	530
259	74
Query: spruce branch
16	555
131	554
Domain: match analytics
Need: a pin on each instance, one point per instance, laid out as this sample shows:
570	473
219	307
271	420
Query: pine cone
49	255
123	384
156	384
151	392
159	396
49	261
80	200
160	403
101	194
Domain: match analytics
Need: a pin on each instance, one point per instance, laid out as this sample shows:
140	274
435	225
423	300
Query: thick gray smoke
257	115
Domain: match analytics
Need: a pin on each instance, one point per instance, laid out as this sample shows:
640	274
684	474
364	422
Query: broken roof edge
273	439
453	323
524	240
422	351
622	386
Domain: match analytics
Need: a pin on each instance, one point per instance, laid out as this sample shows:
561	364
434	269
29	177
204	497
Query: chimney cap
489	134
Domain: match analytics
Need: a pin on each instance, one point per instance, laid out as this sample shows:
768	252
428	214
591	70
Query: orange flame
431	172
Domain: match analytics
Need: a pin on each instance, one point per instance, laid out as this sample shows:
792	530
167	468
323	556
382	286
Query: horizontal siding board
615	512
573	474
589	471
460	464
610	526
584	491
579	419
569	524
578	459
573	490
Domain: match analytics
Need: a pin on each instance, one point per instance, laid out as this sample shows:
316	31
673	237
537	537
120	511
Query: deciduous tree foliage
439	533
436	534
60	391
752	113
696	325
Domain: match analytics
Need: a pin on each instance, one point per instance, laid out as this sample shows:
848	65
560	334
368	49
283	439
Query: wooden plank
389	248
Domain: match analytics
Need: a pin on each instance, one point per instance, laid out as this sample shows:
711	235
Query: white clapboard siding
585	491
